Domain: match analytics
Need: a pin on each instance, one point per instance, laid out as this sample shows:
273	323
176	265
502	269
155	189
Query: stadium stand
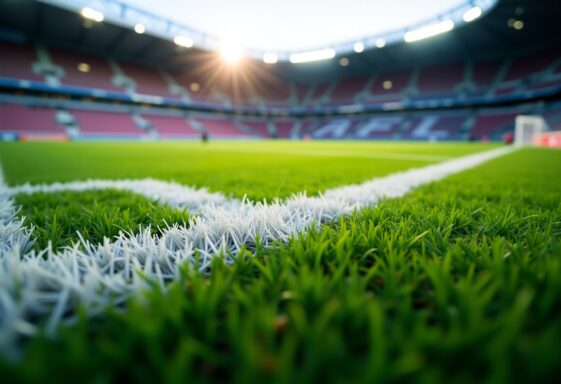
273	92
493	125
440	80
95	71
16	61
170	127
347	90
29	120
147	80
106	123
391	83
526	66
284	129
434	127
448	100
259	128
384	127
484	73
194	88
222	128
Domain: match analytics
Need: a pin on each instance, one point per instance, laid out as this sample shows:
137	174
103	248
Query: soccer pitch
453	280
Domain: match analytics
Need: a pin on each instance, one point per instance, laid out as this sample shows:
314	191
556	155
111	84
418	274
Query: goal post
527	127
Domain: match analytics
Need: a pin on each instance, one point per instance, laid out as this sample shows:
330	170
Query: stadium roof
295	24
490	37
287	30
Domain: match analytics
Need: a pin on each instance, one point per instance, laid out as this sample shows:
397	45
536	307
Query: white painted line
50	285
173	194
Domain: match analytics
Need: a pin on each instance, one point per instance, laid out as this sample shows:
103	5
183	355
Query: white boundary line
169	193
50	285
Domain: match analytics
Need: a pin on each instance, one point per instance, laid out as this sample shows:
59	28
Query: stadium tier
447	99
29	120
488	126
222	128
16	61
441	78
170	127
147	81
104	123
450	81
84	70
107	122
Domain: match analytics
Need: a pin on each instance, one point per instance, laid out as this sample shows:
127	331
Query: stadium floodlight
380	43
183	41
92	14
428	31
472	14
358	47
139	28
270	58
306	57
83	67
231	53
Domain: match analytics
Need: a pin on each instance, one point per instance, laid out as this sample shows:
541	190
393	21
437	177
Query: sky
289	25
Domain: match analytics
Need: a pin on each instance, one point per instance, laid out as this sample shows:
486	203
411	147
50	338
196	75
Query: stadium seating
440	78
16	61
383	127
284	129
317	92
258	127
492	125
203	90
222	128
346	89
273	92
484	73
106	123
528	65
31	120
435	127
99	74
505	78
147	80
172	126
395	81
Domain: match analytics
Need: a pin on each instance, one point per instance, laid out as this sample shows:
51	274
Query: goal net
527	127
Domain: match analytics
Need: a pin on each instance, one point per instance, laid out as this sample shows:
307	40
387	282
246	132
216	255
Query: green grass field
456	282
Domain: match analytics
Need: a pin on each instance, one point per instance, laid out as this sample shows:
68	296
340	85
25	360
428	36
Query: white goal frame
526	127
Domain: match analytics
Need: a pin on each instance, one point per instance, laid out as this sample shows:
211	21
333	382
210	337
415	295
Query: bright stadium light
358	47
380	43
305	57
429	31
83	67
472	14
183	41
139	28
270	58
231	53
92	14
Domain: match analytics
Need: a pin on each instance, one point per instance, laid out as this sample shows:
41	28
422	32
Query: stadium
252	191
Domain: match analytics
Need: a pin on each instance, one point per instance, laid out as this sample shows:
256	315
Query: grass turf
57	217
260	170
457	282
